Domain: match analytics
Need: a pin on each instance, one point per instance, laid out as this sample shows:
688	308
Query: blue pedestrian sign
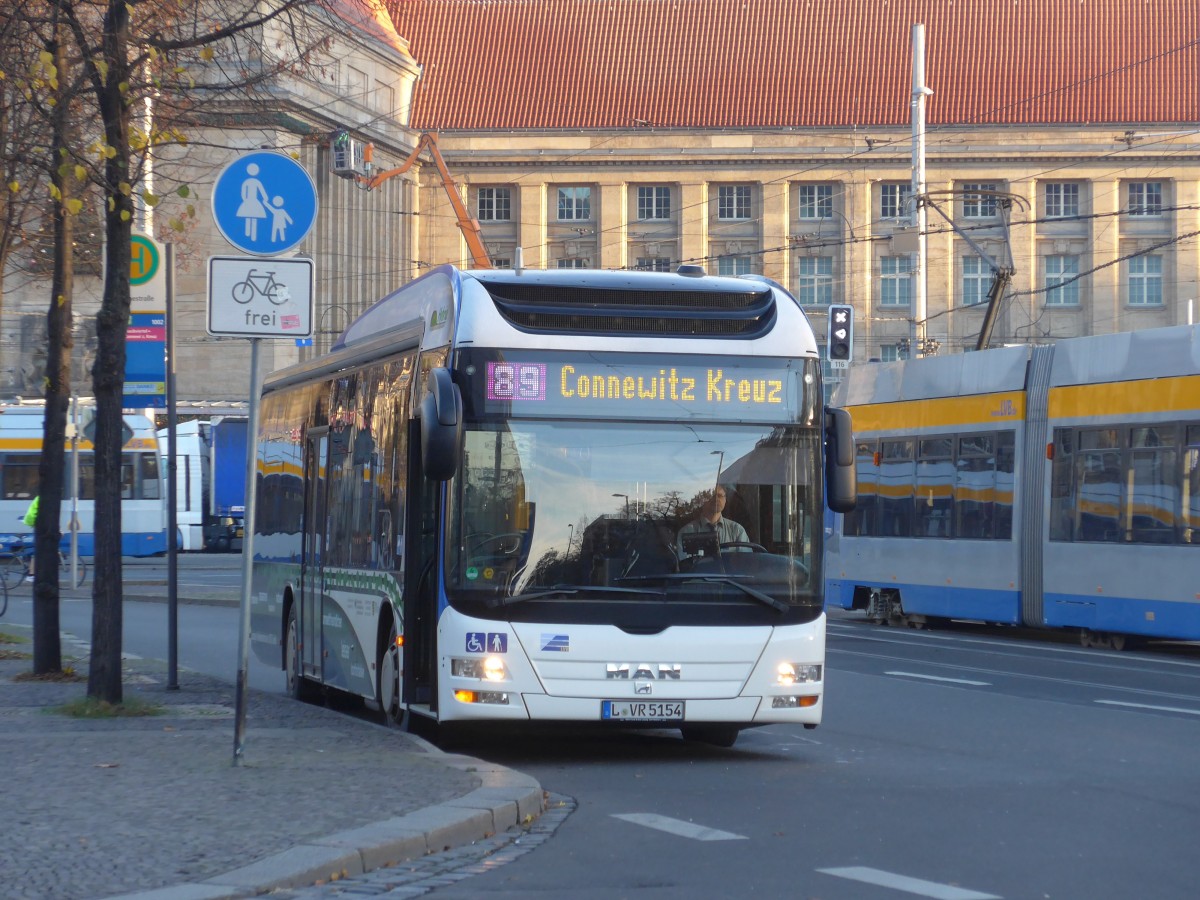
264	203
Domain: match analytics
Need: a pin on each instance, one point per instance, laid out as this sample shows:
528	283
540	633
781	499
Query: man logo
661	672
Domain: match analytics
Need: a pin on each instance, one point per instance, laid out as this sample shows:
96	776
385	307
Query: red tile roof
371	18
527	64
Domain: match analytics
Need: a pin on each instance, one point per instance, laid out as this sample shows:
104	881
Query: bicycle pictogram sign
264	285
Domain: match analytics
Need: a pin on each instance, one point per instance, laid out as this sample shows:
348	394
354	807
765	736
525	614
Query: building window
1062	199
734	265
1060	269
1145	280
733	201
976	280
653	264
979	201
1145	198
894	201
891	353
501	262
653	203
494	205
574	204
574	262
895	281
356	84
815	280
816	201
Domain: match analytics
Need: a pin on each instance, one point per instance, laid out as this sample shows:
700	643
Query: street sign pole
239	726
172	485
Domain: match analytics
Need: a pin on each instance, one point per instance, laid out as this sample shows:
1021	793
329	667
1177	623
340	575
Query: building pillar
532	236
1104	312
776	260
612	235
693	222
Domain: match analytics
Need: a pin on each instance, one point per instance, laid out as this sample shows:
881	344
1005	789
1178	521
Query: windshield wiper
761	597
567	590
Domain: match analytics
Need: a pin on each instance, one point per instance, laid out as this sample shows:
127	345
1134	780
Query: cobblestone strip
418	877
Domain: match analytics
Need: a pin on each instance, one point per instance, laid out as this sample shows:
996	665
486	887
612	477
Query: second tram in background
1054	486
143	510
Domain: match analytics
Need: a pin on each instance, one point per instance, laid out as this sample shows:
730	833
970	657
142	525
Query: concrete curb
505	799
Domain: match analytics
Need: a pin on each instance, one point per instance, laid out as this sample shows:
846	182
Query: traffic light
840	342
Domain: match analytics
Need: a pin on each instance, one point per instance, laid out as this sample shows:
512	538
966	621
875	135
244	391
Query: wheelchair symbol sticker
476	641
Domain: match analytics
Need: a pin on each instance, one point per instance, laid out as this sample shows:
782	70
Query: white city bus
477	506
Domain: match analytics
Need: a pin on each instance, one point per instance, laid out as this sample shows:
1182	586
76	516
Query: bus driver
705	534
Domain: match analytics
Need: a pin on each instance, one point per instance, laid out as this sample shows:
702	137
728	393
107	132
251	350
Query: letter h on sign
840	342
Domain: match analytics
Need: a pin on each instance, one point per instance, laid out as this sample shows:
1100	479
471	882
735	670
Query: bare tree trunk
108	374
47	647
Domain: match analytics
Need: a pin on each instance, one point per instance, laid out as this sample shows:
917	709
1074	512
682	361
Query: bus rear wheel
298	687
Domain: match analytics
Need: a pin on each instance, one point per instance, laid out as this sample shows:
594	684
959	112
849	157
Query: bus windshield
587	514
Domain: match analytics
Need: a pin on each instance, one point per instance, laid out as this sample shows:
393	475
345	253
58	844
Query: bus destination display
639	388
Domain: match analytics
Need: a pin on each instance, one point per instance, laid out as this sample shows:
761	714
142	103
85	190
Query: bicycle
16	557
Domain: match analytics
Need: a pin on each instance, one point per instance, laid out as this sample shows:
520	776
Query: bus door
421	576
312	579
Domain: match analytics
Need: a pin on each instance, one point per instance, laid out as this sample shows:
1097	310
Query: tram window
1062	486
1153	485
975	487
1190	482
861	520
1099	478
935	486
148	482
895	491
1006	467
128	476
19	477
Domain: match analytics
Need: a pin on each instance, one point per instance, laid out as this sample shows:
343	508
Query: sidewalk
152	807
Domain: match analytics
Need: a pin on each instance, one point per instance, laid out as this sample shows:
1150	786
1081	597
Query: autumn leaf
125	215
14	186
74	205
207	54
184	191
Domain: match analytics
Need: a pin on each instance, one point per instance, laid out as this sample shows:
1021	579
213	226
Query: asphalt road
959	764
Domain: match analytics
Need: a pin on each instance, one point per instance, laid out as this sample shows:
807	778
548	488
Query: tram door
312	574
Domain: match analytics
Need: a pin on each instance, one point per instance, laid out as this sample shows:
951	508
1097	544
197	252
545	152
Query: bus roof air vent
544	308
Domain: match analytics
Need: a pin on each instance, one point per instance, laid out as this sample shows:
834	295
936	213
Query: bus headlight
487	668
797	673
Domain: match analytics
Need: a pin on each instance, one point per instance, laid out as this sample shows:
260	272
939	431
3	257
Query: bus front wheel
387	680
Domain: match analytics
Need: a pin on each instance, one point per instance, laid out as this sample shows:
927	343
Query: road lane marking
679	827
916	886
937	678
1175	709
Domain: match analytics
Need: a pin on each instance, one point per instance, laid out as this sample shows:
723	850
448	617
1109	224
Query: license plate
641	710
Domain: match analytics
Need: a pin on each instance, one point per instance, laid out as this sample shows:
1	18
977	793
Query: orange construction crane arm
466	223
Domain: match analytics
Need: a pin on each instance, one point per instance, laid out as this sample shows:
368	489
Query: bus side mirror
441	426
841	475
